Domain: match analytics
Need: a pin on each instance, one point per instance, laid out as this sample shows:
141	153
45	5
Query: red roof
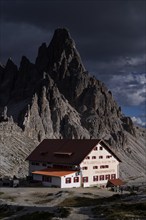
53	172
65	151
115	182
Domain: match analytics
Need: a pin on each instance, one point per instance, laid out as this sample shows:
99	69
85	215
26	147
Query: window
76	179
68	180
107	177
113	176
100	157
108	156
87	157
93	157
84	168
47	179
85	179
95	148
101	148
95	167
95	178
101	177
104	166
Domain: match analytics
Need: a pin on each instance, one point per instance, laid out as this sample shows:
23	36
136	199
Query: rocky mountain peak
10	65
42	58
24	62
25	66
62	38
42	50
61	56
59	79
62	51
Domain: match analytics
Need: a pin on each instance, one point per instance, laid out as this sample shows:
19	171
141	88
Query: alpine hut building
68	163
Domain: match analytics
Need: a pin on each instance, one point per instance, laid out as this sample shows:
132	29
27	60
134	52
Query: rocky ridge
57	98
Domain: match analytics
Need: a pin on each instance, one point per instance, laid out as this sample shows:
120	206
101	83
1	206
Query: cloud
119	65
21	40
103	30
138	121
125	77
129	89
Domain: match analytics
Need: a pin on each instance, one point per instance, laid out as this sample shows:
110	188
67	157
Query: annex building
68	163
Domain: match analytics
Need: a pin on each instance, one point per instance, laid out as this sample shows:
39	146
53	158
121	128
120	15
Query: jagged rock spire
24	61
62	49
61	54
10	65
62	38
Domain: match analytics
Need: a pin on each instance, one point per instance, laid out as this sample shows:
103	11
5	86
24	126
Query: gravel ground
48	199
30	196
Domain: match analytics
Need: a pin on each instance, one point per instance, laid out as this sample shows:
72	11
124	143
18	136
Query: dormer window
63	154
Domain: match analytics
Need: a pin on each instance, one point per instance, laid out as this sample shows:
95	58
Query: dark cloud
24	40
102	29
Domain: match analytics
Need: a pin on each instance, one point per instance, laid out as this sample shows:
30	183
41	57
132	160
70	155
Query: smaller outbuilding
115	184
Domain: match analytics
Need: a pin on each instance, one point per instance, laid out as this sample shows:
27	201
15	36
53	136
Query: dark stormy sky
110	36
